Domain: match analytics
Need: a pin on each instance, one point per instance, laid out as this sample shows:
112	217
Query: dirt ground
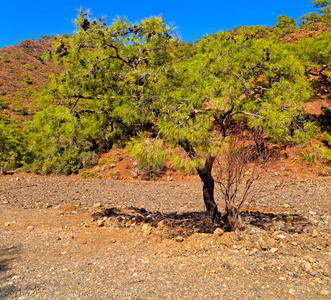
72	238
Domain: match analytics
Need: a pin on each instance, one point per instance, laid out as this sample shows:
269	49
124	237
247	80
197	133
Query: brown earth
71	238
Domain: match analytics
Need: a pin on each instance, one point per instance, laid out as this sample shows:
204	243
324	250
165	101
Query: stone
273	250
161	224
146	226
147	232
116	225
218	231
96	205
314	234
5	202
30	228
289	219
325	292
308	267
7	224
263	245
292	291
179	238
100	223
282	236
252	252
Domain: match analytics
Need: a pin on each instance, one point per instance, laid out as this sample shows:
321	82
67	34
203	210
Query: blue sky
21	20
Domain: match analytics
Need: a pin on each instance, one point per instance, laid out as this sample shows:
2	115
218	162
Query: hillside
23	72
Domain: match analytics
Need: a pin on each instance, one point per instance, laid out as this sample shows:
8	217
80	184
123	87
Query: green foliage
26	78
151	155
58	142
103	162
4	103
324	8
309	18
5	58
24	111
324	171
88	173
122	80
12	143
313	51
285	25
114	174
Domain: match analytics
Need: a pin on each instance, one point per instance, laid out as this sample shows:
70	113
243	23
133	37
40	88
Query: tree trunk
108	145
208	190
1	170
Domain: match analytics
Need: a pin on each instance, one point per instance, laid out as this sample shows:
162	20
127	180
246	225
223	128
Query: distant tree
324	7
309	19
284	21
285	25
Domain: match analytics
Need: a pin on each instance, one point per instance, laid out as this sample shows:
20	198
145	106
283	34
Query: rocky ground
70	238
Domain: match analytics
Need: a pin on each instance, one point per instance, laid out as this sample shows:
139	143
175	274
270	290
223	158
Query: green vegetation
174	103
12	143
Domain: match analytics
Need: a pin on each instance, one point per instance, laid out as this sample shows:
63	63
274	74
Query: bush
114	174
151	156
5	58
26	78
24	111
324	171
87	159
103	162
88	173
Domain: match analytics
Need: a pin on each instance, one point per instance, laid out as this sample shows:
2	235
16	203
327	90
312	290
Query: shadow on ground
188	223
7	256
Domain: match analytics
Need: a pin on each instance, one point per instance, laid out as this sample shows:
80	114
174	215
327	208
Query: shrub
88	173
114	174
103	162
87	159
324	171
151	156
5	58
26	78
24	111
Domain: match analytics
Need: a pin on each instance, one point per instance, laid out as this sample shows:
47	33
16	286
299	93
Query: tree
12	143
285	25
309	18
324	7
179	95
231	75
110	80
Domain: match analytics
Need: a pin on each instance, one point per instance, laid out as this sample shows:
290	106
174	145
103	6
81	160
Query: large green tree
136	77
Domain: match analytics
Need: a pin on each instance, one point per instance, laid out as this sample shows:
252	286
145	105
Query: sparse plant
114	174
237	169
26	78
324	171
24	111
88	173
5	58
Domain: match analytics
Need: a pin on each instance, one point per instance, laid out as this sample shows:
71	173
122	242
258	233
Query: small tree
285	25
